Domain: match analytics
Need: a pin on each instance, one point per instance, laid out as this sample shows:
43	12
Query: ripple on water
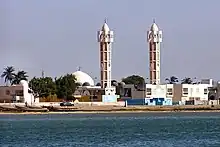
108	130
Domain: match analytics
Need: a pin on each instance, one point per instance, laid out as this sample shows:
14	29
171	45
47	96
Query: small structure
89	93
158	101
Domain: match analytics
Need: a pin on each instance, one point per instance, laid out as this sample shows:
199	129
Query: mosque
153	93
105	92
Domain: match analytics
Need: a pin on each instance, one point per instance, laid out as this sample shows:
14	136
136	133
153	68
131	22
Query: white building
180	92
20	93
159	91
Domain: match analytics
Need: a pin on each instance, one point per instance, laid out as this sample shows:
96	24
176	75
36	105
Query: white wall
28	97
195	91
158	91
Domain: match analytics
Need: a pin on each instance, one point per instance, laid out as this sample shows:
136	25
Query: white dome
154	27
82	77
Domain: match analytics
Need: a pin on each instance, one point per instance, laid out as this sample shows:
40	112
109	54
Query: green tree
120	88
8	74
66	86
43	87
21	75
114	83
172	80
134	79
186	81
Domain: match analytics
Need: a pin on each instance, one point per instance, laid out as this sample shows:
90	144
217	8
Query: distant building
20	93
89	93
180	93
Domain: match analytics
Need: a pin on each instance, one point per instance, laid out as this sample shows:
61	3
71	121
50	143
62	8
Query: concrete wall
109	98
214	102
158	101
195	91
130	91
7	92
163	90
177	93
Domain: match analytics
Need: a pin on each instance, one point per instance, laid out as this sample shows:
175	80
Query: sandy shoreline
111	109
104	112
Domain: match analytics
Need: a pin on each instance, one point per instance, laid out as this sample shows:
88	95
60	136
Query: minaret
154	38
105	38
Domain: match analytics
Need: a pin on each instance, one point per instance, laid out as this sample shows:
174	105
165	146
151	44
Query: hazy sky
60	35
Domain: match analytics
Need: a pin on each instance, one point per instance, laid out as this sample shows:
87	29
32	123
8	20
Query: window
7	92
148	91
169	91
197	98
205	91
19	92
197	90
154	57
191	98
185	91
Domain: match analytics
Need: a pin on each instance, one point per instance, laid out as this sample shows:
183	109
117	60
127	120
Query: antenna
154	21
42	74
105	20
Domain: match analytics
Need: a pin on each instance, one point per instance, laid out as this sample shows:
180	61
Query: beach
117	109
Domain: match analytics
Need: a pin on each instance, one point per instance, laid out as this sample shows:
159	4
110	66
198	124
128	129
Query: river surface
111	130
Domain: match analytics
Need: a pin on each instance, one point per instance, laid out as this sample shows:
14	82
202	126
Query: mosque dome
154	27
82	78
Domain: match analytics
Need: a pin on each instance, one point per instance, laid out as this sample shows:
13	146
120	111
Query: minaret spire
105	39
154	40
154	21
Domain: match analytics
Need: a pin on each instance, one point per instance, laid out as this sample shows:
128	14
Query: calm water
111	130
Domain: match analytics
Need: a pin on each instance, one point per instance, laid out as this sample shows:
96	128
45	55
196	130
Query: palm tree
8	74
21	75
172	80
187	81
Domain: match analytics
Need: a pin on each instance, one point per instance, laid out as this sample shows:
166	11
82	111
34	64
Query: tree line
64	86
